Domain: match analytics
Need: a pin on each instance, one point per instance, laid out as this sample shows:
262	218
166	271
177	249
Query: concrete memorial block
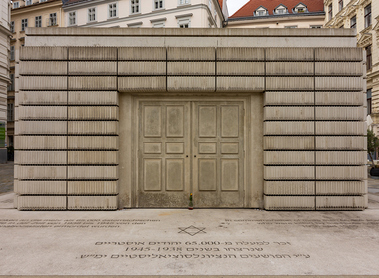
289	98
340	128
92	202
341	172
339	68
92	188
142	68
40	157
339	83
41	127
93	142
141	53
43	68
289	173
41	202
289	113
243	68
92	53
289	68
42	112
289	188
93	98
93	172
341	188
40	187
93	157
41	172
289	83
191	68
42	97
43	83
142	83
191	53
240	84
92	68
338	54
341	143
43	53
289	202
93	113
240	54
41	142
289	54
288	128
288	143
92	83
289	157
93	127
341	203
341	158
191	84
341	113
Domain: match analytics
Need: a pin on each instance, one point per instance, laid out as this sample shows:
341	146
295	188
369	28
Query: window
184	2
53	19
16	5
330	11
10	112
38	21
368	15
28	2
12	53
91	14
369	102
368	57
184	23
11	86
134	6
280	10
24	24
12	26
316	26
340	5
71	18
210	5
260	11
158	4
291	27
112	10
42	1
353	22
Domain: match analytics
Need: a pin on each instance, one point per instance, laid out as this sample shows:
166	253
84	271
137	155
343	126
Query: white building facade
150	14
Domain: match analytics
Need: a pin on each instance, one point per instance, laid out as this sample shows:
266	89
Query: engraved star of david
192	230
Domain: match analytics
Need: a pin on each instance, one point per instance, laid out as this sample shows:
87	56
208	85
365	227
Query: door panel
218	162
164	162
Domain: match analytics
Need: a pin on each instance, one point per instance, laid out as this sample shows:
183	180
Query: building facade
29	13
4	74
363	16
150	14
113	118
279	14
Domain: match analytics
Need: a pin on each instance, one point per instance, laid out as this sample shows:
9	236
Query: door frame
128	183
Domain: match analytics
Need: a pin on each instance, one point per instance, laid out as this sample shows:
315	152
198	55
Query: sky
235	5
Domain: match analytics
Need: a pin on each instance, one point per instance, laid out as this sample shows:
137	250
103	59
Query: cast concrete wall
313	145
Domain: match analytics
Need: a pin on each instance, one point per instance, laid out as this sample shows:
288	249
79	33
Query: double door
190	147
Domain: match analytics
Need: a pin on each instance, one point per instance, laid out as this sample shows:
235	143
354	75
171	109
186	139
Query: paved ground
6	177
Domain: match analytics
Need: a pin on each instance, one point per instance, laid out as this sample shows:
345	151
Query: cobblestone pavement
6	177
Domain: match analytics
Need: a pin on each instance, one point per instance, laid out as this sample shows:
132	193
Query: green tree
372	144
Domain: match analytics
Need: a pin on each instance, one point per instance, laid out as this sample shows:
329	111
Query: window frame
12	53
10	112
53	19
112	8
184	22
367	15
158	5
281	8
24	24
39	20
340	5
369	101
28	2
70	17
91	12
353	24
135	7
16	5
261	9
184	2
330	12
368	57
11	26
